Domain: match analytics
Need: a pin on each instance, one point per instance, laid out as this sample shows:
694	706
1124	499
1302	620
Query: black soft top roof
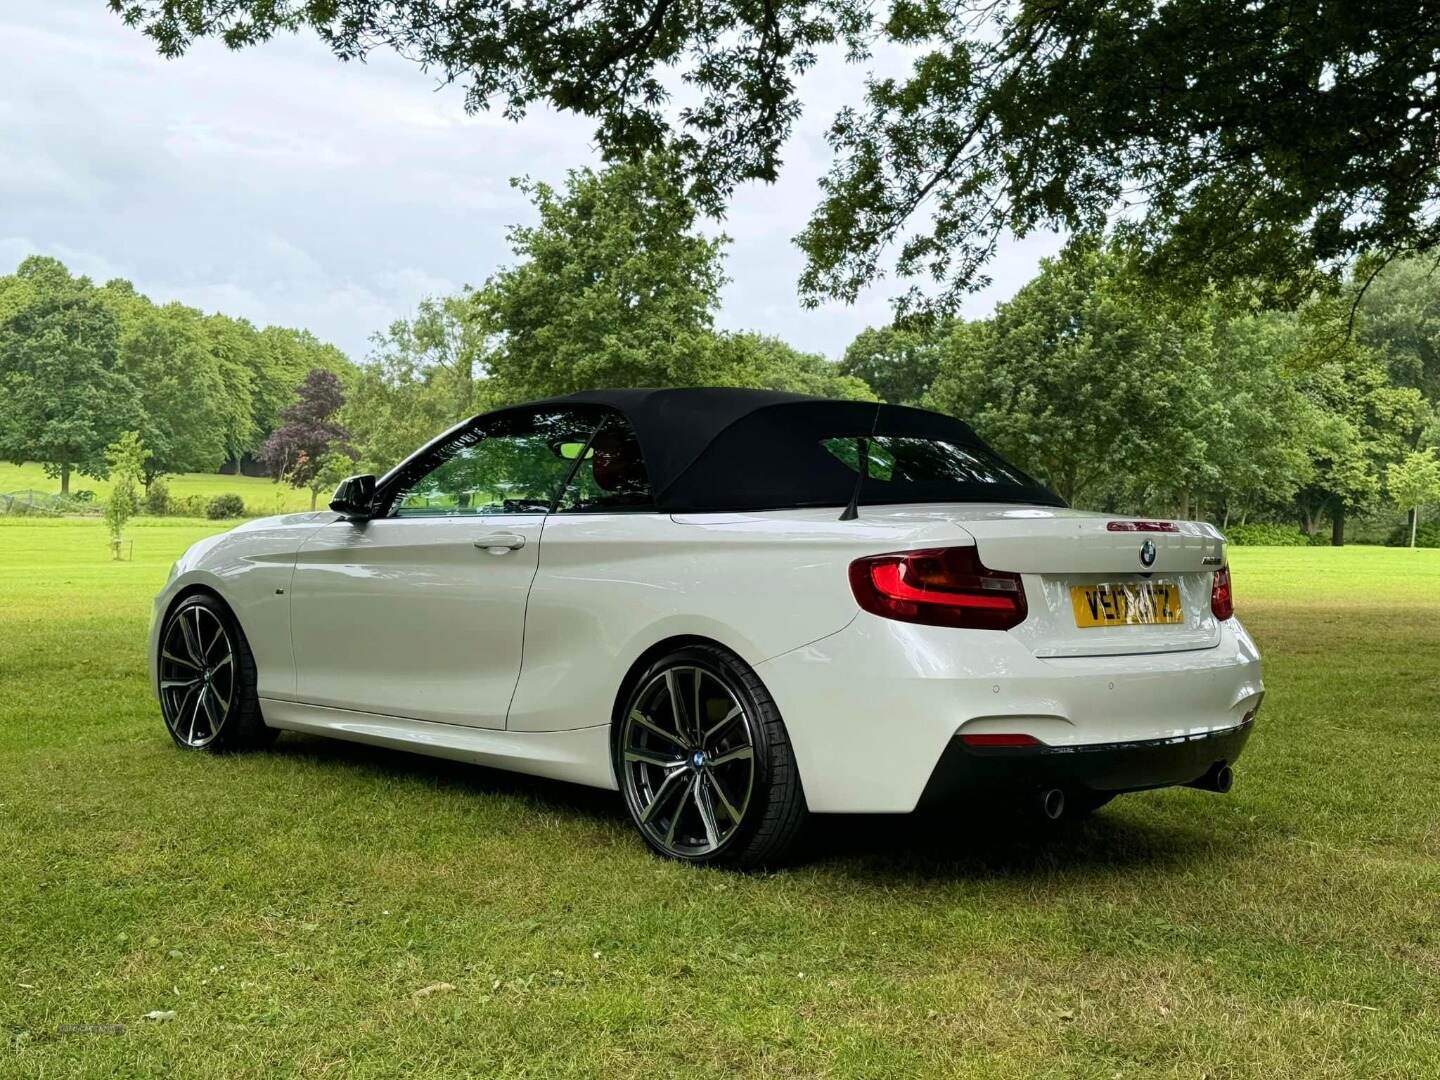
722	448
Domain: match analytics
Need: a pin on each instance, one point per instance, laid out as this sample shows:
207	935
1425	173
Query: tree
327	473
126	457
1398	317
900	364
446	341
423	375
309	429
1245	140
1261	430
1413	481
235	344
280	359
1365	421
64	399
182	393
614	287
767	363
1082	381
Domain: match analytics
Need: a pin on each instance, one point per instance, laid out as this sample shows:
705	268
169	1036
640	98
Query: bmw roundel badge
1147	553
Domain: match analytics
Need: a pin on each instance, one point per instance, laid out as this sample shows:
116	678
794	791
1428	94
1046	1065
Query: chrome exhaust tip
1052	804
1224	779
1220	778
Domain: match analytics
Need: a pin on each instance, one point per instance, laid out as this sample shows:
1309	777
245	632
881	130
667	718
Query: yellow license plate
1141	603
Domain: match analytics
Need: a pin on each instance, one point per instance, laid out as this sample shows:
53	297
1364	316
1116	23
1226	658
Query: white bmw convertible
738	608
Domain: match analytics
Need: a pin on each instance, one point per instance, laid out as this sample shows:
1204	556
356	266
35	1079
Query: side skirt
581	756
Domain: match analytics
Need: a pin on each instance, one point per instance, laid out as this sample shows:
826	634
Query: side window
509	464
612	474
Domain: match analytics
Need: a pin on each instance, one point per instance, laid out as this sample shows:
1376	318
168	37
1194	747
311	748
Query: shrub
228	505
157	498
1270	536
1427	535
189	506
84	495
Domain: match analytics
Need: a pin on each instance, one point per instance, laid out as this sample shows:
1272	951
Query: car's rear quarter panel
609	587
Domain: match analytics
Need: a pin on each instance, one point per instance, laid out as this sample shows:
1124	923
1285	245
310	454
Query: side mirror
354	496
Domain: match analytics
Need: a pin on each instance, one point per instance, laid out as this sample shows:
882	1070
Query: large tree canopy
1229	138
613	286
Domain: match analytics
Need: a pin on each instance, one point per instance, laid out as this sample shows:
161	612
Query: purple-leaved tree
309	429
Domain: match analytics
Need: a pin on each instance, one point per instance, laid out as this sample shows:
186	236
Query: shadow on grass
963	842
983	843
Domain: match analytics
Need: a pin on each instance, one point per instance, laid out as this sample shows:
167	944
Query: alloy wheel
197	675
688	761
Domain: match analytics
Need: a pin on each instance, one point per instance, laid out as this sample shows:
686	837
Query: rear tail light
1222	603
938	587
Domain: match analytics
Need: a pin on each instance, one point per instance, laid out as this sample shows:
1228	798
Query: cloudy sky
283	186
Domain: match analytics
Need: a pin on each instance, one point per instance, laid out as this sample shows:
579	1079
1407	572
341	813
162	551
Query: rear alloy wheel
705	764
207	679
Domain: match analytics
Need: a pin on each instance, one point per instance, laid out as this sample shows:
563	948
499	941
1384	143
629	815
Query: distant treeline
80	364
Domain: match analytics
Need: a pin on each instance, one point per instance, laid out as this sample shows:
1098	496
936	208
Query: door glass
612	475
509	464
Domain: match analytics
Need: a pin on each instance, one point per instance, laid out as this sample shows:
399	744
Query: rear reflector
938	587
1222	602
1142	526
988	739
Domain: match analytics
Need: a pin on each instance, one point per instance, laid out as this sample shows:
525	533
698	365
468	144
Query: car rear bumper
967	772
874	710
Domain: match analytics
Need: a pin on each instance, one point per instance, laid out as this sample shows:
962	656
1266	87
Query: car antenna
852	509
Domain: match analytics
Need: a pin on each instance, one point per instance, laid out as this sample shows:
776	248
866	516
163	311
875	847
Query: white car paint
445	636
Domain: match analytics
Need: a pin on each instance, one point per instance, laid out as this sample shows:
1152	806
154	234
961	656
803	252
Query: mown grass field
292	907
261	496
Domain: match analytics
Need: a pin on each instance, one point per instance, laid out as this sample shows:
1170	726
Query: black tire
773	815
207	680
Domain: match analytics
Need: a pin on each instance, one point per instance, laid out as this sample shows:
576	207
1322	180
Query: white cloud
283	186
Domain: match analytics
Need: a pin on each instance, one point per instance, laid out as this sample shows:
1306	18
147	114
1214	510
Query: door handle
499	543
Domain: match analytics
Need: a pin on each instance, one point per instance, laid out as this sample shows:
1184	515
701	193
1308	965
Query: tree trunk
1414	519
315	495
1337	527
1184	514
65	478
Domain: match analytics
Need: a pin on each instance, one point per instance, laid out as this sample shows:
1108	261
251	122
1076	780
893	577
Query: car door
420	611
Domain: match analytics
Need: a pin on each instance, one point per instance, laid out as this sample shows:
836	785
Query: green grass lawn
291	907
261	496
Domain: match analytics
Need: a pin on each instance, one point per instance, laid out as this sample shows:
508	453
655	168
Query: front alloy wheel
207	679
704	761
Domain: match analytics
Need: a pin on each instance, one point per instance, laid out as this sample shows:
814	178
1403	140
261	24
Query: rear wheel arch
643	662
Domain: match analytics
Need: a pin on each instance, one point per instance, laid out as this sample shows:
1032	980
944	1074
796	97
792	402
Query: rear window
903	460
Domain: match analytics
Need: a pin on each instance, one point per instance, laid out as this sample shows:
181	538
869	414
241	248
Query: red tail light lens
1222	603
986	740
938	587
